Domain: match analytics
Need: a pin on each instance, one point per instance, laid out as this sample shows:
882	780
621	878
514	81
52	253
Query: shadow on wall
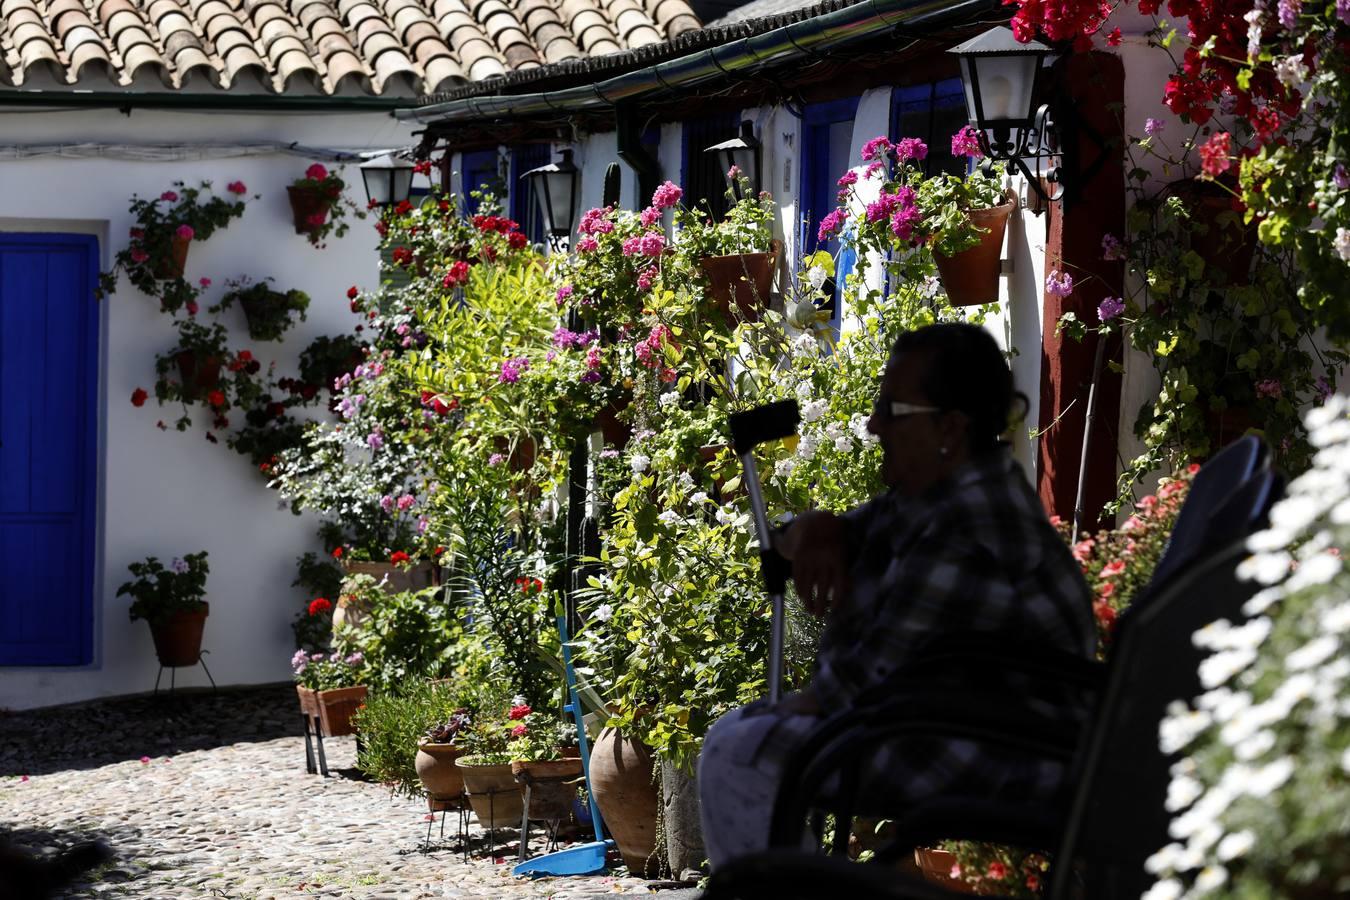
102	732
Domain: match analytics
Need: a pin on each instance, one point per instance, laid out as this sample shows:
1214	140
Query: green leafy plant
328	671
402	636
393	724
537	736
181	214
746	227
158	592
201	369
269	312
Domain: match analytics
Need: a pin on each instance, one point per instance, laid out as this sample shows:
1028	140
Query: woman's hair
964	370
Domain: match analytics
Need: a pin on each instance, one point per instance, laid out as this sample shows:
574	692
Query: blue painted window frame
524	205
701	173
933	112
476	168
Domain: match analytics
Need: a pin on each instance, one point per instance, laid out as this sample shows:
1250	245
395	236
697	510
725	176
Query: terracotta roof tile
422	46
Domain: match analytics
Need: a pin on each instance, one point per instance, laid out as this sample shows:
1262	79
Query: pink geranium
316	172
185	232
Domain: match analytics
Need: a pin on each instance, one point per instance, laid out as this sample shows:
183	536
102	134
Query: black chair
1222	513
1115	816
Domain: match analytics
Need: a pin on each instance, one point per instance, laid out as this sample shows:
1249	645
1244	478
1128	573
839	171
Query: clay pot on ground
435	765
493	794
970	278
745	279
178	638
621	782
553	786
684	829
334	708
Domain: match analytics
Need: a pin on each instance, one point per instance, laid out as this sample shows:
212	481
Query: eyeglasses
895	409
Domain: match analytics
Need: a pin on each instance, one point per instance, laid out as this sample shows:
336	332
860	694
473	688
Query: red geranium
530	585
520	712
337	553
352	292
138	397
216	398
398	557
319	605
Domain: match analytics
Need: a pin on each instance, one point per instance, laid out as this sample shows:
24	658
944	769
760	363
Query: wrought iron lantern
388	179
741	152
555	186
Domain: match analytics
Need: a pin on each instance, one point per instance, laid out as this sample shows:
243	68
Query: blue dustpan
583	859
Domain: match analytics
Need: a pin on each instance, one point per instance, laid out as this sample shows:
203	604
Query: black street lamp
388	179
741	152
555	186
1002	79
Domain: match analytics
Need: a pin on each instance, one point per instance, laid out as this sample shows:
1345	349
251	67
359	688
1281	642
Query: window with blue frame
524	204
827	139
933	113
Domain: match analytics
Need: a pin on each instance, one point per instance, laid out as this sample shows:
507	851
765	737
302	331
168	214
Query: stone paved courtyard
206	795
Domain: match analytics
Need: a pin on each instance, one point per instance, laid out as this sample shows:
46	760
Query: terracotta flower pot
200	374
552	783
306	203
435	765
173	265
742	278
178	639
334	708
493	794
971	276
621	780
936	866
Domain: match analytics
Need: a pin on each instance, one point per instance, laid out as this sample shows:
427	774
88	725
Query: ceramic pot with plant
540	764
964	220
207	373
319	205
737	256
269	313
171	600
435	762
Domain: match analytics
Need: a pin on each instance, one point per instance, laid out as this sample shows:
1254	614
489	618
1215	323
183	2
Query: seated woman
958	543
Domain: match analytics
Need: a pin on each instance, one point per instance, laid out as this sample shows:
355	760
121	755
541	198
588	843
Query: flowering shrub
537	736
183	213
327	672
746	227
998	871
330	217
158	592
618	261
1259	796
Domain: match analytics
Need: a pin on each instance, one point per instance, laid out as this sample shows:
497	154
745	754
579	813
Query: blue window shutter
524	205
704	177
933	113
48	403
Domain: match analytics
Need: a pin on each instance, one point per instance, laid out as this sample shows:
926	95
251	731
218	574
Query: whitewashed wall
166	493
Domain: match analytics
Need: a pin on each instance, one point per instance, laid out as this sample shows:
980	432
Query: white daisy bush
1260	798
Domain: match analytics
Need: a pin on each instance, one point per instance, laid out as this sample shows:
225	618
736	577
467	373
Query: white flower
686	482
1262	600
518	700
1268	778
639	463
1167	889
843	444
814	409
1320	569
1165	860
179	565
1336	619
722	516
1265	568
815	276
785	466
1291	71
603	613
1182	792
1180	726
669	517
807	445
1210	877
1311	654
1222	666
698	497
670	398
1255	746
1234	845
1342	243
805	343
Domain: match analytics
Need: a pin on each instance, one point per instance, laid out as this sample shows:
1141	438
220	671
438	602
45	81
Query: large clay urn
444	784
621	780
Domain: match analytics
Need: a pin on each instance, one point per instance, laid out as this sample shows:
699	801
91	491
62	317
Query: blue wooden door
48	406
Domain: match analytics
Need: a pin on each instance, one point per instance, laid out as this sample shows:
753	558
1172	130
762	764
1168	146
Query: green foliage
158	592
269	312
326	672
202	370
319	577
393	724
404	636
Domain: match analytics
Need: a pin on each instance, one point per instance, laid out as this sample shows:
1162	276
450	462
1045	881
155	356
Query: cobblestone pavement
206	795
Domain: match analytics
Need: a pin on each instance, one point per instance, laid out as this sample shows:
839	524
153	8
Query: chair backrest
1117	816
1214	484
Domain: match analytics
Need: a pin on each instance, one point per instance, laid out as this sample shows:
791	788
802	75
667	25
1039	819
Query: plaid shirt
976	553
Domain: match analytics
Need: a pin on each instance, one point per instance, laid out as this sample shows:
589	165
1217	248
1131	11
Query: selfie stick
749	429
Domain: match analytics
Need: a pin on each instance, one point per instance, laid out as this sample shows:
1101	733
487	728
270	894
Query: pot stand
174	669
312	726
461	810
545	784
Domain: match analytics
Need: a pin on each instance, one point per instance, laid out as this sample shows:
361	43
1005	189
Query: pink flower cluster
595	221
966	142
316	172
565	339
911	148
512	369
832	223
645	244
1215	153
667	195
1109	308
877	148
1270	388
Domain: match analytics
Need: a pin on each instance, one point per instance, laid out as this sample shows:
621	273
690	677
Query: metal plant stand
173	671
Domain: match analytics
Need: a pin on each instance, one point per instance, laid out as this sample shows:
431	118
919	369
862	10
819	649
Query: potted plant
156	255
964	219
493	793
324	361
268	312
540	763
435	762
331	688
172	602
319	204
737	256
208	373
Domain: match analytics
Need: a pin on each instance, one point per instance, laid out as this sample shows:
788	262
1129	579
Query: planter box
334	709
744	279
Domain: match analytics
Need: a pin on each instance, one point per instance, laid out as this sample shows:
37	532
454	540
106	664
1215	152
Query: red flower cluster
138	397
458	274
320	605
352	292
398	557
436	404
216	398
422	167
499	224
530	585
337	553
402	256
520	712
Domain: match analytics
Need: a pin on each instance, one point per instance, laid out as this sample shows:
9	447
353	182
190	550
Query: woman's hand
814	542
